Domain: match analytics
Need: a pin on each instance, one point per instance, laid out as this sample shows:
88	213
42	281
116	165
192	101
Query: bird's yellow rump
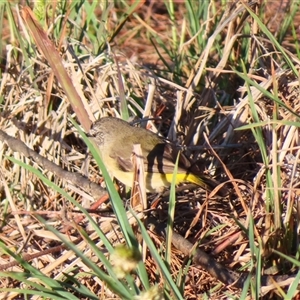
115	139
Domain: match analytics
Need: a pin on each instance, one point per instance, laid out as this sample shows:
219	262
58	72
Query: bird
115	139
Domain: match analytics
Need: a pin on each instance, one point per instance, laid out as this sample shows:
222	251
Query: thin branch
77	179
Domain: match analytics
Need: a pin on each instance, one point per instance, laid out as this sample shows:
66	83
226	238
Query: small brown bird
115	139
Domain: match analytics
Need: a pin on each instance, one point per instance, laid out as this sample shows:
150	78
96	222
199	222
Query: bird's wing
124	164
161	159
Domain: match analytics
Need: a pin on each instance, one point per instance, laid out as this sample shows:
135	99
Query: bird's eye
91	133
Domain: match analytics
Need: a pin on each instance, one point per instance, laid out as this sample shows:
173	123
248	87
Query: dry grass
201	112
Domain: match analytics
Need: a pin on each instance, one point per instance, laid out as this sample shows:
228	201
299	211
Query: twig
29	257
75	178
214	268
